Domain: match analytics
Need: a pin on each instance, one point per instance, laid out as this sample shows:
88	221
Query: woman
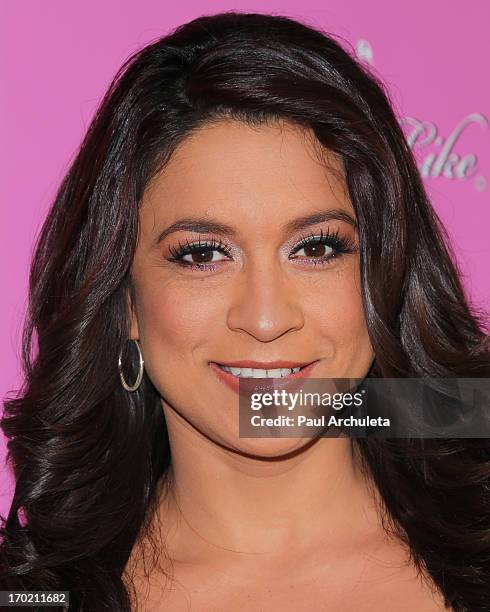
243	200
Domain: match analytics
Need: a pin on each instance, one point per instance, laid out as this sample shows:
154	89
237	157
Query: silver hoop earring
140	373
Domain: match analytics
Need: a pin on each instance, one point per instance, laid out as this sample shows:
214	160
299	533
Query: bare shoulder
381	578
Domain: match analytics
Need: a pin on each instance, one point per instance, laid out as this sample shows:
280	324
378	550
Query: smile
263	369
290	373
258	372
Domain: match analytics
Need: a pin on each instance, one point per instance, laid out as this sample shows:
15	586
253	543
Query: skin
252	509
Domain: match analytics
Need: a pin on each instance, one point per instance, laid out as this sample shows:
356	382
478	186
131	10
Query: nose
264	304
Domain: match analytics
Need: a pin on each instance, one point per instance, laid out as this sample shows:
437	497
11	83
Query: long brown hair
76	438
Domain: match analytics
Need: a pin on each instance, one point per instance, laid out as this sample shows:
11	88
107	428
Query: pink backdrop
58	57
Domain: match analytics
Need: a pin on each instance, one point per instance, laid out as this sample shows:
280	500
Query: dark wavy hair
76	438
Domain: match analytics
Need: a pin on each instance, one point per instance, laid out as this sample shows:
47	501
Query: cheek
351	317
337	310
353	345
173	321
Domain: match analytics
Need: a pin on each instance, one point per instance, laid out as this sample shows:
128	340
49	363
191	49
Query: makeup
249	385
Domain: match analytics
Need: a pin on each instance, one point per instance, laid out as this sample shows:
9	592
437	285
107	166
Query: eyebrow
204	225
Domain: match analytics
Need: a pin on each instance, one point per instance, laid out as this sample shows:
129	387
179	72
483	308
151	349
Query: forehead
229	168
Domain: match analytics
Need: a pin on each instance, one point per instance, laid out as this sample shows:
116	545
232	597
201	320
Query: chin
270	447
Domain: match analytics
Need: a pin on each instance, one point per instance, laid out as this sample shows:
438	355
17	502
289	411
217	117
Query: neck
221	504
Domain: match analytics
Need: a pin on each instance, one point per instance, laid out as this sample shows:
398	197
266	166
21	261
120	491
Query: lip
265	365
248	385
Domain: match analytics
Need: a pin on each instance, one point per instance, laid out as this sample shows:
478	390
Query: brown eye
200	255
203	256
314	250
323	249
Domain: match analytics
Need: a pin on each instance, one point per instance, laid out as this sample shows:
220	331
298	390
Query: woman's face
252	290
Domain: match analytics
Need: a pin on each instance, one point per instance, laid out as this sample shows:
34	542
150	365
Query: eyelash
340	246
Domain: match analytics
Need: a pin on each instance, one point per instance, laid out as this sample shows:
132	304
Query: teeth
259	373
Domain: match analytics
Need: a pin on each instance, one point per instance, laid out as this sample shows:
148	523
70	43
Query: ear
134	333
